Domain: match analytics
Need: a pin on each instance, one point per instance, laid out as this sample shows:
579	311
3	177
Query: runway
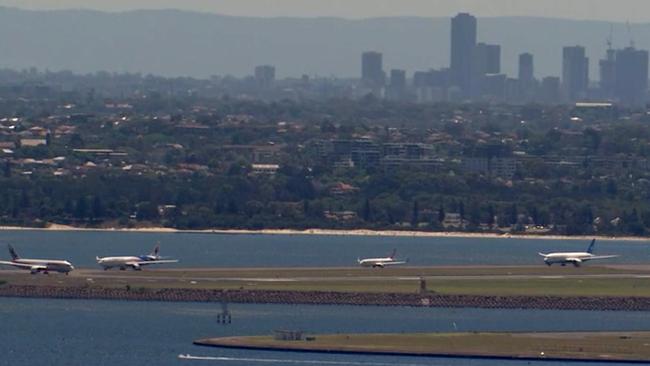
297	274
620	280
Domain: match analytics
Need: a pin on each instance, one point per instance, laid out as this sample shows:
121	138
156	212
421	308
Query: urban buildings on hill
474	74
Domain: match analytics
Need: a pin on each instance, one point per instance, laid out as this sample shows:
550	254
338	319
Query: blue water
94	332
79	332
216	250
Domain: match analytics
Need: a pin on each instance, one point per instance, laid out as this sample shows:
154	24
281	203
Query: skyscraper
526	68
463	41
526	84
265	75
550	92
608	74
487	59
397	86
631	74
575	72
372	72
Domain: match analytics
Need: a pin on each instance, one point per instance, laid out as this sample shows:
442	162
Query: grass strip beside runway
499	281
601	346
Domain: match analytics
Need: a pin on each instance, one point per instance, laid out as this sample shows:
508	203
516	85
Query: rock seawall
331	298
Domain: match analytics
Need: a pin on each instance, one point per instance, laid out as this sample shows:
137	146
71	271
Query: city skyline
625	10
294	46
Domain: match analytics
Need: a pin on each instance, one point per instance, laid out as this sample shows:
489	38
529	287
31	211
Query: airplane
381	262
133	262
575	258
38	265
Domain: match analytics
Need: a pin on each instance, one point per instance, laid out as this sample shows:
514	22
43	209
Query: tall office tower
463	41
526	68
372	72
397	86
631	72
608	74
575	72
550	91
487	58
265	75
526	83
398	79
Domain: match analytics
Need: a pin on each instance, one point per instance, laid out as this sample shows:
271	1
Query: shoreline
443	347
333	298
327	232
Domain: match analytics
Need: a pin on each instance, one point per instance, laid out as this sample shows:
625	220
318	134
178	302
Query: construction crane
610	38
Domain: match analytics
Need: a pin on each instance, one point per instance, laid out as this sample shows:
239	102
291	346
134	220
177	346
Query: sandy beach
330	232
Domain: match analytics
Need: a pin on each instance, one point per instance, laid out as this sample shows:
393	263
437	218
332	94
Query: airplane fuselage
569	257
121	262
376	262
45	265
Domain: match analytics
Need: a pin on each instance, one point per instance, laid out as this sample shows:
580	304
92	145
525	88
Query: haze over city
324	182
624	10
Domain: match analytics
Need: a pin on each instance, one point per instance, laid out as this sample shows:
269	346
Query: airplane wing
32	267
603	257
19	265
394	263
142	263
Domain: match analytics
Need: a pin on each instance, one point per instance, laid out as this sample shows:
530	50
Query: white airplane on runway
575	258
134	262
38	265
381	262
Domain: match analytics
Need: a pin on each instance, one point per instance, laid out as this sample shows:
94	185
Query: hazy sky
616	10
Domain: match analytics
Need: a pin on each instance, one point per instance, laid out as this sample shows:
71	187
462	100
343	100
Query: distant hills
179	43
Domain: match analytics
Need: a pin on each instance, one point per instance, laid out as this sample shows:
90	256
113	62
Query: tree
232	207
441	214
147	211
514	214
415	216
366	212
76	141
7	169
490	218
81	208
461	210
97	210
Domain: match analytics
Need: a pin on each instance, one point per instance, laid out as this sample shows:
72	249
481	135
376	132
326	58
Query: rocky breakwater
330	298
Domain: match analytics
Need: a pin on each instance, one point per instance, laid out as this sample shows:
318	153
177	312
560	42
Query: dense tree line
582	198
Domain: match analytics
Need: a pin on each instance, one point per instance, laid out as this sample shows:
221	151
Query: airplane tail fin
393	254
590	249
13	253
156	251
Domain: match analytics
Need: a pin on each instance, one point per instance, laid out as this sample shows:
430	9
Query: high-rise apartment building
631	74
397	85
575	72
265	75
487	59
608	74
526	68
372	72
463	41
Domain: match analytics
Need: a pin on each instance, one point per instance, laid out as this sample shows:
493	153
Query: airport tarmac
619	280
